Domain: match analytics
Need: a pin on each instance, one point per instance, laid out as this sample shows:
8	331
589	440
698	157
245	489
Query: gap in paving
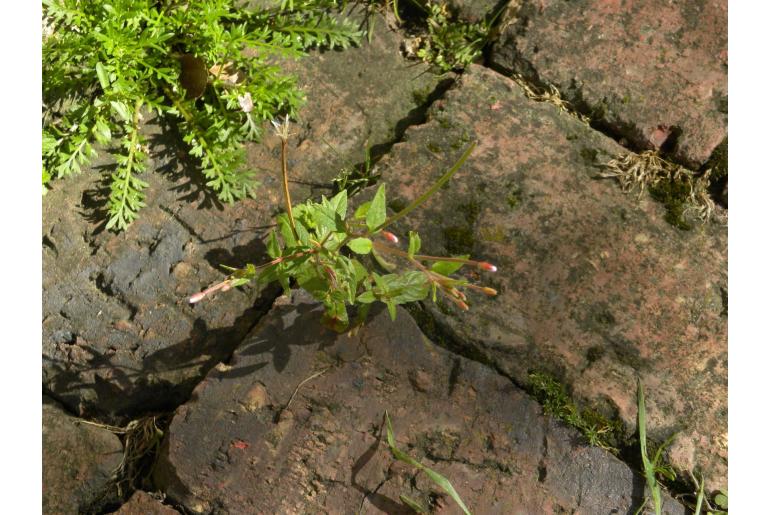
580	107
628	450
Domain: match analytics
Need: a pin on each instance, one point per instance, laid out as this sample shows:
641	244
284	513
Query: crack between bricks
623	132
444	337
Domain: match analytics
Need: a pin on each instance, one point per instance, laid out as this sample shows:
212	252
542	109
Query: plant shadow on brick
321	249
210	65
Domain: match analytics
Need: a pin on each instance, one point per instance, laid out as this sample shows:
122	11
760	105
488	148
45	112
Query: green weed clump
451	44
107	65
448	43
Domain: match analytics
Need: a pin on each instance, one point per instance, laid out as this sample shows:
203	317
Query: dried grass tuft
549	94
639	172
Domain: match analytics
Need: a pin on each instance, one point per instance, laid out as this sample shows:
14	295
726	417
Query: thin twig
313	376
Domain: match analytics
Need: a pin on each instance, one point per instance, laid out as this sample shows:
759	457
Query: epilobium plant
320	247
106	64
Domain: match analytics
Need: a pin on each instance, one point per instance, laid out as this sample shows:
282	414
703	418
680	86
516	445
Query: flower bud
197	297
390	236
488	291
489	267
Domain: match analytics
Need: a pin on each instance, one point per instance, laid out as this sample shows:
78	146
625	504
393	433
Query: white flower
282	128
246	103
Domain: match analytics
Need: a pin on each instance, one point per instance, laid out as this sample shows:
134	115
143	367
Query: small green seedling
319	247
652	467
434	476
720	500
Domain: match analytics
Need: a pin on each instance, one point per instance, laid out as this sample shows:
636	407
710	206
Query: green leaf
268	275
360	270
384	263
360	245
302	233
121	109
310	278
285	227
49	143
327	218
721	500
339	203
240	281
367	297
102	131
283	280
362	210
414	243
391	309
273	247
448	267
402	288
101	72
648	466
336	316
412	504
437	478
377	211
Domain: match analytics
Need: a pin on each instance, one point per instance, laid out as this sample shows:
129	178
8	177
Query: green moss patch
595	427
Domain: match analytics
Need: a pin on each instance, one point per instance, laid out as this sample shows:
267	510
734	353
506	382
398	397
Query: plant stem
285	179
399	252
699	502
433	189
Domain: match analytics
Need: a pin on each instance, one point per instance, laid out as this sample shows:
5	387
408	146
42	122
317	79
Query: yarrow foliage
207	64
322	247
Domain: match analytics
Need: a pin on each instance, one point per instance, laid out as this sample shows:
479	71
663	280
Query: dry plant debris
667	181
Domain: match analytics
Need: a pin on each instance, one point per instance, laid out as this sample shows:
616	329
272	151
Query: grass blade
437	478
433	189
649	467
